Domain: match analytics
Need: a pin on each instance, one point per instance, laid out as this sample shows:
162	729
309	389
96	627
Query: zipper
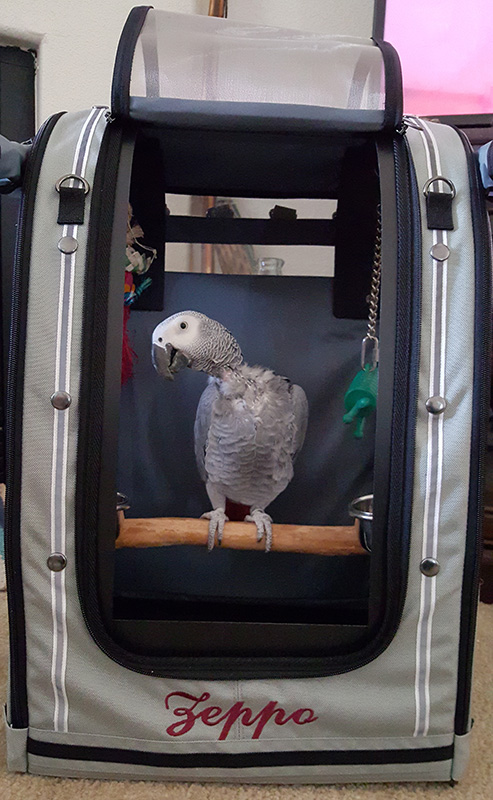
408	189
407	335
15	392
90	437
482	339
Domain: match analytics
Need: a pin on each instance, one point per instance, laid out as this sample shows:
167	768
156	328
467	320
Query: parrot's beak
167	360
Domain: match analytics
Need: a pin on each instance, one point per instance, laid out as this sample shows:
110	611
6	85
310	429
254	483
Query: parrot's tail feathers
236	511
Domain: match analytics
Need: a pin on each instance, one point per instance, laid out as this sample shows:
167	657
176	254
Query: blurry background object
445	51
269	266
17	74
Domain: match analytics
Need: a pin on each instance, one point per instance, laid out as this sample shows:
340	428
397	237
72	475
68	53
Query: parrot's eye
183	325
160	339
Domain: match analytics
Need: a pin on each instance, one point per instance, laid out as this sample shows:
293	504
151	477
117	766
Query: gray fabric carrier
392	718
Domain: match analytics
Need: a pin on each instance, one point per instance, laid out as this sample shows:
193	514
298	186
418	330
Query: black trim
238	230
122	71
379	19
234	115
15	399
480	404
393	86
110	755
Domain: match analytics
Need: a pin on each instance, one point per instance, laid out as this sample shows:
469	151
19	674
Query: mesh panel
205	58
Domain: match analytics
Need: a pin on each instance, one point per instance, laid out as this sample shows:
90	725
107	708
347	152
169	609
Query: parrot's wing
202	425
300	414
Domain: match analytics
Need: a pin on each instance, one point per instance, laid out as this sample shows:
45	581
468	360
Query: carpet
477	784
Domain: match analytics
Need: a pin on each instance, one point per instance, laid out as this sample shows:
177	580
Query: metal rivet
60	400
429	567
56	562
436	404
68	244
440	252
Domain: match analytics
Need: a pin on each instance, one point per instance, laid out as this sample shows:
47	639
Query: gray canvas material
433	771
16	746
403	699
462	747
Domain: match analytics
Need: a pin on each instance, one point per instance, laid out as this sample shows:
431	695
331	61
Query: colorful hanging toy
360	399
138	259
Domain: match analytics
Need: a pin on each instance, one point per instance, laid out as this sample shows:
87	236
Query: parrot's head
190	339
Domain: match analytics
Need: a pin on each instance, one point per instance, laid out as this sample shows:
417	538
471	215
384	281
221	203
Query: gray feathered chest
248	430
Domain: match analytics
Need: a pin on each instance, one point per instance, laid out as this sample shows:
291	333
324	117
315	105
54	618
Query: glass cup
269	266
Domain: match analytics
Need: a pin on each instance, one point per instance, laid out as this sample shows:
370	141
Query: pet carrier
345	653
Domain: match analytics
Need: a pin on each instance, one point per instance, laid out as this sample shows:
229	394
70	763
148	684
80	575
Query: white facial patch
181	331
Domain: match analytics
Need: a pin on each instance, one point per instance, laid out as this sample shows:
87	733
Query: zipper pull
401	130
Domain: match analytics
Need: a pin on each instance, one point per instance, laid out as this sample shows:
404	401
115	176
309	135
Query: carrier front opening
239	419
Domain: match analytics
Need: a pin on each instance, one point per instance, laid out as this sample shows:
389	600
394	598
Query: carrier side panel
51	365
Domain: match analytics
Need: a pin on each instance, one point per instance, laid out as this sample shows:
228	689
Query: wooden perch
316	540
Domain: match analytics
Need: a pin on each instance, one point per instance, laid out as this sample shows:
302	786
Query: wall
343	17
76	40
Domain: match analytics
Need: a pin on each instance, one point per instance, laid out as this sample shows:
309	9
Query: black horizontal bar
237	230
110	755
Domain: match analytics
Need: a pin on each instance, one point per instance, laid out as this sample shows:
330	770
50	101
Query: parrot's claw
217	518
264	526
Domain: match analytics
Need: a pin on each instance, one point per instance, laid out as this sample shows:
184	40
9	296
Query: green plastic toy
360	399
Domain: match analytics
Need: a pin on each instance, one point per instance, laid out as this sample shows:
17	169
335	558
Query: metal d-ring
62	180
430	181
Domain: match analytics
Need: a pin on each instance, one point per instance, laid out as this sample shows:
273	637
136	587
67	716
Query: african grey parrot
250	423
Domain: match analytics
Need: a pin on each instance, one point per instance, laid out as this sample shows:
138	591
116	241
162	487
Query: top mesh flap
171	64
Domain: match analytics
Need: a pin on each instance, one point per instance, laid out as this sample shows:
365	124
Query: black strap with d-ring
72	199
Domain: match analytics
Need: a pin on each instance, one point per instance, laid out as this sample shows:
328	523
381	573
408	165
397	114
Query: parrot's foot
217	519
264	526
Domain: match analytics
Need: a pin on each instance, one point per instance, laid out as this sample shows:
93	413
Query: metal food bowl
362	508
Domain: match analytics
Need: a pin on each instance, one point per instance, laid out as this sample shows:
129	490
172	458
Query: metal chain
371	334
